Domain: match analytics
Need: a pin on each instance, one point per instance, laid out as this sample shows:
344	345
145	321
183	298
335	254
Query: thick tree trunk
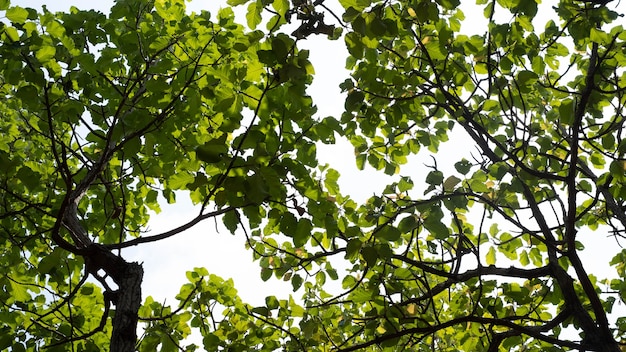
124	336
127	298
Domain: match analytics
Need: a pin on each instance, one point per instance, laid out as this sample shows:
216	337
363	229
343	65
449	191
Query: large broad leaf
16	14
253	15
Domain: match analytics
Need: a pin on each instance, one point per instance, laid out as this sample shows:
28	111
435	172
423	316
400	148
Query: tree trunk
127	298
124	336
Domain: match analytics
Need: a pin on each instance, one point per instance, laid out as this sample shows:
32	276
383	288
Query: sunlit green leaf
4	4
45	53
16	14
491	256
253	16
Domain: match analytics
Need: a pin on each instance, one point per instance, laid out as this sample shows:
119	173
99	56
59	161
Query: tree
486	255
108	116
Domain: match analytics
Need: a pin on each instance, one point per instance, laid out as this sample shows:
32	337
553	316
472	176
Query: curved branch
533	331
172	232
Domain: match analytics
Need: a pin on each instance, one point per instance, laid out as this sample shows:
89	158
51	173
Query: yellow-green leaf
11	32
491	256
17	14
253	16
45	53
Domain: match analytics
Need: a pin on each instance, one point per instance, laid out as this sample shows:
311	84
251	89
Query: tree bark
124	336
127	298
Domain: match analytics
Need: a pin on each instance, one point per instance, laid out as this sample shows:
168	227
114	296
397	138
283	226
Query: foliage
485	255
108	116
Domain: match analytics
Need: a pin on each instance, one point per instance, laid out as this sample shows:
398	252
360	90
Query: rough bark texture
127	298
124	336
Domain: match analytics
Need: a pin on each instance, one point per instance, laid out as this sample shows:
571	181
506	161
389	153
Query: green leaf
355	46
332	273
450	4
361	295
608	142
29	178
463	166
405	184
56	30
18	292
261	311
271	302
296	282
12	34
87	290
180	180
598	36
370	254
288	225
353	248
231	220
618	169
377	27
6	338
566	112
450	183
303	232
210	341
213	151
358	5
408	224
523	258
331	181
16	14
266	274
354	100
434	178
280	49
491	256
526	80
253	15
436	228
45	54
389	233
49	263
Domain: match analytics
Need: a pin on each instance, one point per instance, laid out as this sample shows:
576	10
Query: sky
210	245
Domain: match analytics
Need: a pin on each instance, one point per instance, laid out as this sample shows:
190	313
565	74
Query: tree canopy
105	117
